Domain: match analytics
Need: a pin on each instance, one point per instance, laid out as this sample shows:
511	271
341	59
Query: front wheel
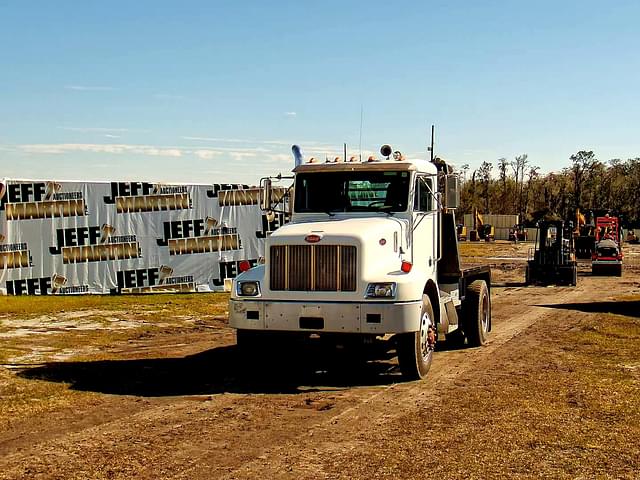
477	313
415	349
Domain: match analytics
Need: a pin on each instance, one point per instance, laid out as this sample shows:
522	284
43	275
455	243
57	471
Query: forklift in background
552	261
481	231
461	230
584	236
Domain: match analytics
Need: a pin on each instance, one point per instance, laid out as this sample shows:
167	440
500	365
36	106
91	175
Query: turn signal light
406	266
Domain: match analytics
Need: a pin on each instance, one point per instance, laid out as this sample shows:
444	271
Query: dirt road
167	406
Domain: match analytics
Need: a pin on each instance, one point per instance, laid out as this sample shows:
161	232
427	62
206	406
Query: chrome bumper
372	318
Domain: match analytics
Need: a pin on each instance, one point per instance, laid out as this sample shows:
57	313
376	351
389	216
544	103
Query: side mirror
265	194
452	192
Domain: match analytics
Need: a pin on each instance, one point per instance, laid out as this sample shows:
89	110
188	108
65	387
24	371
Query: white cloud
267	152
242	155
159	152
290	114
101	130
206	154
168	96
306	145
213	139
149	150
117	149
280	158
88	88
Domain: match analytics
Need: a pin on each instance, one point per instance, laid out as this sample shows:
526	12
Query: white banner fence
127	237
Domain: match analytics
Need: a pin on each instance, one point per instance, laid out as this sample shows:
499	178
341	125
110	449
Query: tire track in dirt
303	457
288	435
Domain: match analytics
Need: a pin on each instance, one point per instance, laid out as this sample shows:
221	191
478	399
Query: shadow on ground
215	371
629	308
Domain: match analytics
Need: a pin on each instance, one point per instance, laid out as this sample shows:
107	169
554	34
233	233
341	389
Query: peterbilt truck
370	254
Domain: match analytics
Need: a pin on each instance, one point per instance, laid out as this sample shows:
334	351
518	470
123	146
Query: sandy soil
555	394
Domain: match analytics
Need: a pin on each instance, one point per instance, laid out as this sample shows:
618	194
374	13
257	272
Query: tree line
587	184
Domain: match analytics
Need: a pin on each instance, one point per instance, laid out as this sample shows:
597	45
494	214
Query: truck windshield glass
351	192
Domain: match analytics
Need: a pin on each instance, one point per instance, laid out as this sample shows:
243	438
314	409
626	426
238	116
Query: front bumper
336	317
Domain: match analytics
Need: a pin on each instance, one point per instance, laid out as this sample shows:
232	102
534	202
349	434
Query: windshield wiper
383	208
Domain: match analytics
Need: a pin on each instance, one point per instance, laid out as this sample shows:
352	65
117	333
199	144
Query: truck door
425	246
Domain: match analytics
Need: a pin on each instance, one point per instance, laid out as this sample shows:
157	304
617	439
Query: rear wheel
477	313
415	349
568	276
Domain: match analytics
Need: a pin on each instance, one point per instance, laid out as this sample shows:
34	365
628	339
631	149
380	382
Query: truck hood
607	243
383	231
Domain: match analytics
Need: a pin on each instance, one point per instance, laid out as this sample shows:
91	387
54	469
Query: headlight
248	289
385	290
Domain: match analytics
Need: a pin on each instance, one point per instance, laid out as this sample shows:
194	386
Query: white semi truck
370	253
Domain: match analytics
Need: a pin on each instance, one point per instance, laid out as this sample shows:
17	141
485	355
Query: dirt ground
153	387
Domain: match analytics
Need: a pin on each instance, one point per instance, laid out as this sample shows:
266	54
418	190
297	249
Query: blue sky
213	92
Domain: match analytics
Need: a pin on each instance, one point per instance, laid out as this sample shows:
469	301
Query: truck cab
370	252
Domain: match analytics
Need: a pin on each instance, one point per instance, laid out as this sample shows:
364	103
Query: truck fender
431	290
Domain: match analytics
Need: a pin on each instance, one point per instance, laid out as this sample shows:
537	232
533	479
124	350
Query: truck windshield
351	191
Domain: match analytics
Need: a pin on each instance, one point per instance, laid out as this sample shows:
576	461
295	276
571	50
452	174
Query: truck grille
324	268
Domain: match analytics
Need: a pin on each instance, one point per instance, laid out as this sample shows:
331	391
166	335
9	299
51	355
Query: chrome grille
326	268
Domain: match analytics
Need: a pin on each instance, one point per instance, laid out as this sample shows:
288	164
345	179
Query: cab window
424	194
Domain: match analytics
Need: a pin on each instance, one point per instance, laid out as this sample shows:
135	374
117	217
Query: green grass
493	249
22	398
185	304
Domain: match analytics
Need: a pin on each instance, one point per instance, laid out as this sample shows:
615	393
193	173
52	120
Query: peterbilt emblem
313	238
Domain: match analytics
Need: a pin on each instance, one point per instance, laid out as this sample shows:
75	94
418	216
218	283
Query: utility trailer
370	254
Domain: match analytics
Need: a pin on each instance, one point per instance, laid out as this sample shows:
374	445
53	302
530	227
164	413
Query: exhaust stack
297	155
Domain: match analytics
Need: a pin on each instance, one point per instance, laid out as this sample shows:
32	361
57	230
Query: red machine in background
607	255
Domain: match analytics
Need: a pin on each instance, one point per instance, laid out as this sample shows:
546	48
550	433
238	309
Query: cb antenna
432	137
361	118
